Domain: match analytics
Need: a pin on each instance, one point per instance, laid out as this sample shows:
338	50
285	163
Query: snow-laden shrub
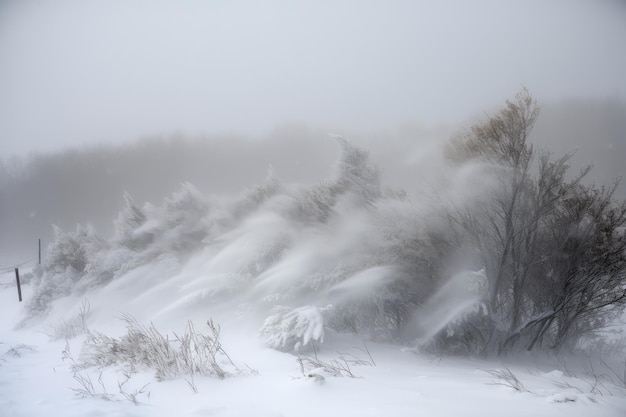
128	222
178	226
175	228
79	260
356	183
72	249
69	261
314	204
184	226
356	173
254	197
291	329
50	288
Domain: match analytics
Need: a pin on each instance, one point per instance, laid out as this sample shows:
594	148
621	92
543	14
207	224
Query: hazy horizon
77	73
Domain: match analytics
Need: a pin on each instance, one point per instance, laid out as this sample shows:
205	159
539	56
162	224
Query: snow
450	302
293	329
38	382
277	271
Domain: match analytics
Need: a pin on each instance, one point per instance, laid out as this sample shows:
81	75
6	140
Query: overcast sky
74	72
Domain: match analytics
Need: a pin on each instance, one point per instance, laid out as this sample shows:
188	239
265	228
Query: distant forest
87	185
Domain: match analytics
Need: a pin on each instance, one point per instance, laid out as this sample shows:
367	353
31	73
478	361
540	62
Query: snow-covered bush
127	224
184	227
356	183
72	249
254	197
177	226
314	204
69	263
81	259
291	329
356	173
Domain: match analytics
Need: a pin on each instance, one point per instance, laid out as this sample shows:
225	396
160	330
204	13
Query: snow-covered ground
36	380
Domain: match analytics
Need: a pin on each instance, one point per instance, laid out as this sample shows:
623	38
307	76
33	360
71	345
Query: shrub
288	329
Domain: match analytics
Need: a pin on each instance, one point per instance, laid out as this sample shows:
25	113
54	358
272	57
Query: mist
76	72
86	184
313	177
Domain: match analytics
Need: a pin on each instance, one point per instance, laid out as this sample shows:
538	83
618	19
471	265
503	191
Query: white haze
86	186
224	89
76	72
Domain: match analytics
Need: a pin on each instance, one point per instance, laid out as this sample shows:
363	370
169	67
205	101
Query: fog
76	72
103	97
86	185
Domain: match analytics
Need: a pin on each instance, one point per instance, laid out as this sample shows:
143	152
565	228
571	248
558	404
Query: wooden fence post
19	288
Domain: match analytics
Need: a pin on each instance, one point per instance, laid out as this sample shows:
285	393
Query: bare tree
583	281
551	247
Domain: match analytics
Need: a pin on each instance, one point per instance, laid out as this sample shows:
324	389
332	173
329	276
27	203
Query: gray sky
77	71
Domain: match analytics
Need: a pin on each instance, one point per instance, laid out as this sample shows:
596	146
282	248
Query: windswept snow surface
36	381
